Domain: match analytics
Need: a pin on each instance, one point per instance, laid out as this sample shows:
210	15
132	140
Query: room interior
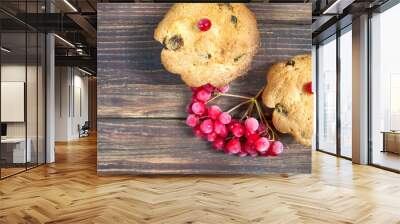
50	145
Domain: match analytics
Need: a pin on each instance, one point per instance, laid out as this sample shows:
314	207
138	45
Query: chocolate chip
290	62
234	19
173	43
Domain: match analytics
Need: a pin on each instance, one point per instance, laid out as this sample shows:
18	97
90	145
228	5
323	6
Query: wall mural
204	88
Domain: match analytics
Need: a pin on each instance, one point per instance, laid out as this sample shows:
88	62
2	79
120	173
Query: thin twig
215	97
236	96
237	106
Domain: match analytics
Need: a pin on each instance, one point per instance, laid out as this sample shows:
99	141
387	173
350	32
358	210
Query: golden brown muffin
285	91
216	56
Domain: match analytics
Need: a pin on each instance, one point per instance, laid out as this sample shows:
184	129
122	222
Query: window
346	95
327	96
385	89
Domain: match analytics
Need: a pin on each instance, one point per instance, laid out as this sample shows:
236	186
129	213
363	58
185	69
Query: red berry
220	129
198	132
207	126
214	111
262	144
204	24
251	124
261	128
208	87
243	151
198	108
233	146
225	118
192	120
212	136
203	95
194	89
238	130
276	148
253	138
232	124
308	88
223	89
189	109
219	143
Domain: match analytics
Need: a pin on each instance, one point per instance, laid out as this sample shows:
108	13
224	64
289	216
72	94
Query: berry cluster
242	137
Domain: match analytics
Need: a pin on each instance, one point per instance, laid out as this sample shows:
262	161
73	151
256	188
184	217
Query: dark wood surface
141	107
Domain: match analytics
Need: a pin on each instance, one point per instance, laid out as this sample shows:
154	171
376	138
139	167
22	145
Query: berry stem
264	120
215	97
232	95
259	93
248	110
239	105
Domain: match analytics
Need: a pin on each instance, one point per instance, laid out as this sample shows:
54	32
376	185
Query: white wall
71	102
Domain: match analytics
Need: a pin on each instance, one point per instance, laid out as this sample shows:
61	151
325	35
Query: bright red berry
220	129
225	118
189	108
276	148
262	144
212	136
250	149
261	128
308	88
238	130
233	146
251	124
243	151
203	95
208	87
214	112
198	108
194	89
223	89
219	143
207	126
204	24
192	120
253	138
232	124
198	132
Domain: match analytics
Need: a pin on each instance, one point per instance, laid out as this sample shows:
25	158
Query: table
18	149
391	141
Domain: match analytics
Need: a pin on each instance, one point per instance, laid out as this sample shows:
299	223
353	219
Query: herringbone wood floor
69	191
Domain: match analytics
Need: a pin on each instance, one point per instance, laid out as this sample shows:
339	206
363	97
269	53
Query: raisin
290	62
281	109
173	43
237	58
205	56
234	20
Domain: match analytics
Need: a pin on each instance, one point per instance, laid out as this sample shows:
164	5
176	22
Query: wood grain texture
141	106
167	146
132	81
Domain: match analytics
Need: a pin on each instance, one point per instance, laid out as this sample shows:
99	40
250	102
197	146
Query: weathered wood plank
141	106
129	59
167	146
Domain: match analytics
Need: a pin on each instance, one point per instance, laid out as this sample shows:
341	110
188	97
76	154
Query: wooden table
391	141
141	107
